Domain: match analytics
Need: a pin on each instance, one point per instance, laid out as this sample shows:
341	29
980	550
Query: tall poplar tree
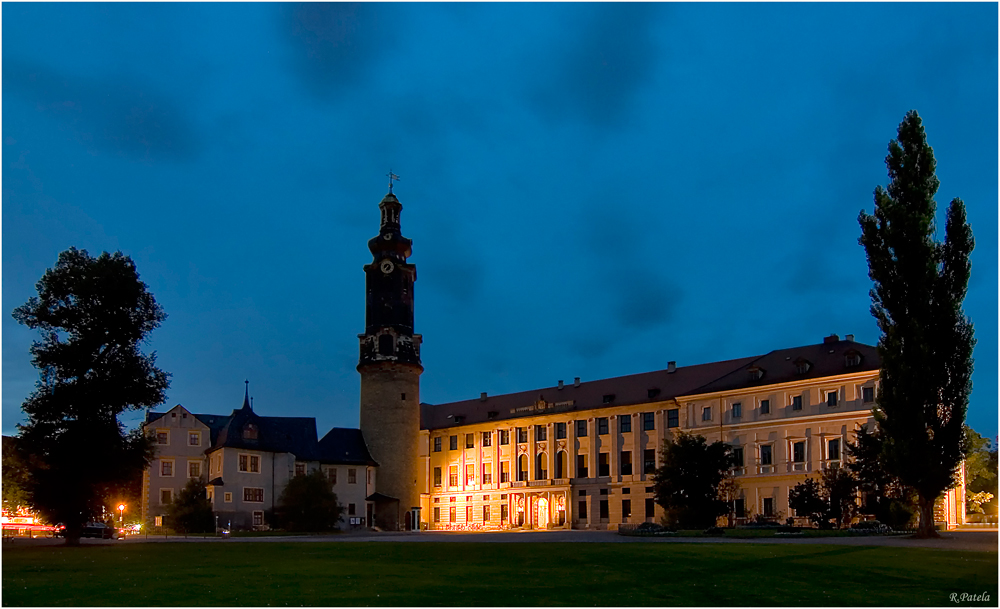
927	341
93	315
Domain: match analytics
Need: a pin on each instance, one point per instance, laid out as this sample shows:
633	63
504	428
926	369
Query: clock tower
390	370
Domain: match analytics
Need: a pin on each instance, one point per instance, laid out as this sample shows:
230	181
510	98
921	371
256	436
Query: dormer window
851	359
652	393
250	431
491	415
609	398
459	419
802	366
756	373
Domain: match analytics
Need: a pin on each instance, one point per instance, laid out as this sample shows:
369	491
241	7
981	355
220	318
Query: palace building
574	455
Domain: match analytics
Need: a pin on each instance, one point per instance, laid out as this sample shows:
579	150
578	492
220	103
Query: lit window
452	514
470	440
486	513
167	468
504	471
487	473
624	423
504	437
157	521
706	413
487	438
468	513
194	438
352	476
437	476
437	514
470	474
453	475
737	410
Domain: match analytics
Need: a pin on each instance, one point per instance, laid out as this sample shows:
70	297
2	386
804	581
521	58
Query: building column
594	447
615	447
571	450
638	462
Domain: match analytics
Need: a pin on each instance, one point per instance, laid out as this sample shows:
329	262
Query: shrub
308	504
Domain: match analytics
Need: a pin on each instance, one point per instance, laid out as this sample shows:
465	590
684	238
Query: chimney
482	397
671	367
831	339
560	384
849	338
576	381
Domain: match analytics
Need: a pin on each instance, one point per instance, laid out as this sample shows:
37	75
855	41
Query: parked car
97	530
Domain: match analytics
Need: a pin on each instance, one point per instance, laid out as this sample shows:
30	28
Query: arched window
561	464
522	468
541	469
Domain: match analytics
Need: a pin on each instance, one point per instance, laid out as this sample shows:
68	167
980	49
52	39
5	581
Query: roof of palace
295	435
825	359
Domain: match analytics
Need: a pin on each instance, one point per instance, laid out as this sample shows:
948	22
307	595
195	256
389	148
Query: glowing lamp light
121	507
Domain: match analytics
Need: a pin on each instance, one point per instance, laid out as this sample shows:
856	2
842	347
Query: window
162	437
157	521
648	421
626	509
802	366
437	514
486	513
258	518
453	443
522	468
867	394
560	465
756	373
250	463
625	465
604	508
706	413
604	464
166	496
648	461
581	429
739	507
522	434
769	506
503	512
470	474
541	432
652	393
437	444
608	398
487	473
738	456
602	426
167	468
541	467
799	452
852	358
227	497
796	402
331	475
250	432
765	406
649	507
352	476
737	410
253	495
487	438
624	423
673	418
603	491
560	431
194	469
765	454
581	466
194	438
300	469
351	509
504	471
452	514
833	449
470	440
453	475
831	398
437	476
504	437
582	511
468	513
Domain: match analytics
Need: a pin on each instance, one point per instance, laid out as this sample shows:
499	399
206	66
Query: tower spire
391	177
246	395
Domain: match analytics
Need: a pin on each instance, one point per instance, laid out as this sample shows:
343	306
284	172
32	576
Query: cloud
122	116
599	70
333	43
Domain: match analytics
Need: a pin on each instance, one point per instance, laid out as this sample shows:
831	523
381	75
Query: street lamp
121	516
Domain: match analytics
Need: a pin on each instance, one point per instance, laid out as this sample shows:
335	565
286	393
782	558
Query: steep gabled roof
344	446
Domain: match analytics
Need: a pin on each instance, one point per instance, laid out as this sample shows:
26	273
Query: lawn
483	574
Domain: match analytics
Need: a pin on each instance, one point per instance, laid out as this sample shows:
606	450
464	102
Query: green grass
490	574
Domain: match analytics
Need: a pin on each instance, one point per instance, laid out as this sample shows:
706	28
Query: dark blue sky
592	189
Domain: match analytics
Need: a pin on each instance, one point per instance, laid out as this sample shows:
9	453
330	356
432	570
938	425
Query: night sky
592	190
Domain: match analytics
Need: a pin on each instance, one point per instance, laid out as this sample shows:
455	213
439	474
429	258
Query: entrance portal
542	516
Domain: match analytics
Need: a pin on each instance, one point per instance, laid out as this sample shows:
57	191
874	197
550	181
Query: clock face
387	236
386	266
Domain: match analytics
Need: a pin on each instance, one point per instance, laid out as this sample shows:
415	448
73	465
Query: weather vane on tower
391	177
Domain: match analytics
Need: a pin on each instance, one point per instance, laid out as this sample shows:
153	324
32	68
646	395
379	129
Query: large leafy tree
687	483
16	482
93	314
191	511
927	341
980	473
309	504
